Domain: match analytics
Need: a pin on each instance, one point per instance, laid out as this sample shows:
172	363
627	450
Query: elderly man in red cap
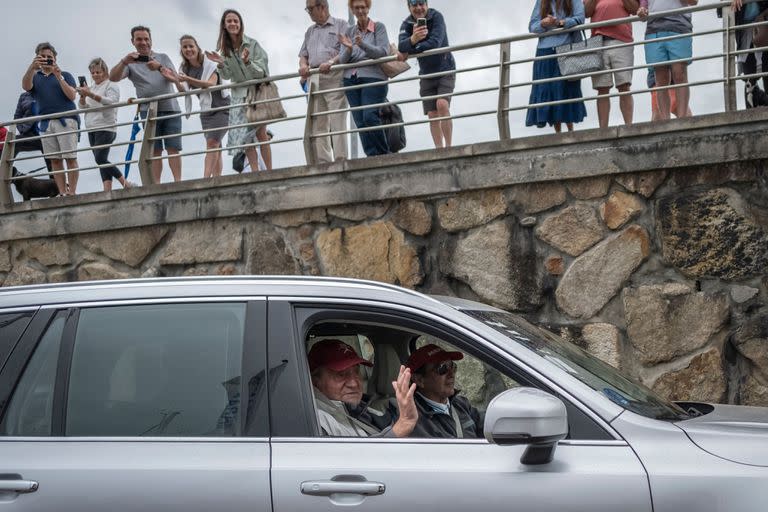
442	412
338	388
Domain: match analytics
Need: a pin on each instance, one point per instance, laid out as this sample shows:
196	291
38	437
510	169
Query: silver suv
194	395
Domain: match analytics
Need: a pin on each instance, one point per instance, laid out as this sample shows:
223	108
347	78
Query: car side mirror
527	416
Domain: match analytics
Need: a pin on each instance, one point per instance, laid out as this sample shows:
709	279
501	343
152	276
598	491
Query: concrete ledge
704	140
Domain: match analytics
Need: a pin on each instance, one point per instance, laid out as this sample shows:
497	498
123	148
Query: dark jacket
436	38
26	107
433	424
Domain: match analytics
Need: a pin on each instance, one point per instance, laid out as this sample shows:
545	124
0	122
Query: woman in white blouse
100	125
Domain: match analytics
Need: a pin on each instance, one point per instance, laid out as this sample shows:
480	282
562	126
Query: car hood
732	432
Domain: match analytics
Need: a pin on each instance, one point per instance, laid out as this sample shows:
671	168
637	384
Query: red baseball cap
431	354
334	354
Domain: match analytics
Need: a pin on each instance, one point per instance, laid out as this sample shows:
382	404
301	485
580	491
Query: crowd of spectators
329	41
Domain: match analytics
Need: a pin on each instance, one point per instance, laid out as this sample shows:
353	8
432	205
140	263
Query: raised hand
404	391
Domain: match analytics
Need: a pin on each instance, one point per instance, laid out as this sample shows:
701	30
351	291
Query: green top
237	71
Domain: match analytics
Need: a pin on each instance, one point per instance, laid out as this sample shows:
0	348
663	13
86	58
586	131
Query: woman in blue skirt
547	16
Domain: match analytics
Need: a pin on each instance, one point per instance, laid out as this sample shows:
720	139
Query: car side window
12	326
387	347
30	411
157	370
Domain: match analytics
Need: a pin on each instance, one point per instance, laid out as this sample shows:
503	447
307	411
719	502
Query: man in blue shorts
657	53
153	75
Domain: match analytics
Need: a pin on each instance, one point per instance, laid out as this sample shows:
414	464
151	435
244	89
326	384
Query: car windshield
593	372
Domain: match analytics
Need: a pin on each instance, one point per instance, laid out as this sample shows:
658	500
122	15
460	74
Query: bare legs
666	75
174	162
442	131
626	105
213	162
266	151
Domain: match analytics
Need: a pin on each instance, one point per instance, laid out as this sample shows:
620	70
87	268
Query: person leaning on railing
101	124
320	49
240	59
657	53
199	72
366	40
27	107
425	29
549	15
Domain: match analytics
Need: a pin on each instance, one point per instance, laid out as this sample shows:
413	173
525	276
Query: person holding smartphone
424	30
366	40
153	74
100	125
55	91
547	18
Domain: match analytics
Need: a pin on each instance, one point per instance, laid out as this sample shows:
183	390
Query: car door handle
329	487
19	486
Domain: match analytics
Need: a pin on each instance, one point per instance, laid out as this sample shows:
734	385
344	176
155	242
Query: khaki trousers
327	149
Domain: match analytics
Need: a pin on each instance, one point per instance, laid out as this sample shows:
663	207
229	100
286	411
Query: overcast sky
83	29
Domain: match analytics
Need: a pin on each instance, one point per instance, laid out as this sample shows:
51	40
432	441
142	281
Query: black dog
754	96
34	187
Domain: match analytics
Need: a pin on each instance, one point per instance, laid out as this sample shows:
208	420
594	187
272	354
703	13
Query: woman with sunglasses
366	40
442	412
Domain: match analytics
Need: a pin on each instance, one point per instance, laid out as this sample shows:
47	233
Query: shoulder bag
394	67
583	62
262	103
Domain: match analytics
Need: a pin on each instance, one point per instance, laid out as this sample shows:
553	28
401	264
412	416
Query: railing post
729	60
503	113
6	198
148	146
309	153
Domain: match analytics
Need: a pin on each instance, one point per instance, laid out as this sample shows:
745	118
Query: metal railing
501	88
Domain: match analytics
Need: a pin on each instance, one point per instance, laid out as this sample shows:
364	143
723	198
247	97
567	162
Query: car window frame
7	346
253	360
421	321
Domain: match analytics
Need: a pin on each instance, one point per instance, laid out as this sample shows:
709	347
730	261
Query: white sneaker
130	184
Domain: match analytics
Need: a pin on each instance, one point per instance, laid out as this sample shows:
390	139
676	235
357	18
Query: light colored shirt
611	10
110	94
149	83
374	45
321	42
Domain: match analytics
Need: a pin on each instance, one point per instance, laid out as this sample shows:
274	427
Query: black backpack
391	114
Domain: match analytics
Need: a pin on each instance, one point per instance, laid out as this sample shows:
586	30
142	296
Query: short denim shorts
163	127
664	51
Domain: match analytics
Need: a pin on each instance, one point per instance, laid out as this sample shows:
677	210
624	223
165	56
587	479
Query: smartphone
421	22
142	58
82	81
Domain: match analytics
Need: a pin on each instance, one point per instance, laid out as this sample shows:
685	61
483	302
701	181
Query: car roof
221	286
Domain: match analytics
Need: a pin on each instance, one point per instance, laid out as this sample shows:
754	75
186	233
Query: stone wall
663	274
647	245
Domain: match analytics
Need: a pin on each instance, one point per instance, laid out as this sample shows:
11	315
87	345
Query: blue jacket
576	18
436	38
26	107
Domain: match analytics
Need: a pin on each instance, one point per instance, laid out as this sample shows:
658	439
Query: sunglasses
311	8
417	2
445	367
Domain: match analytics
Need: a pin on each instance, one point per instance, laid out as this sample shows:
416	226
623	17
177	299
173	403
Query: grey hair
322	3
98	62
